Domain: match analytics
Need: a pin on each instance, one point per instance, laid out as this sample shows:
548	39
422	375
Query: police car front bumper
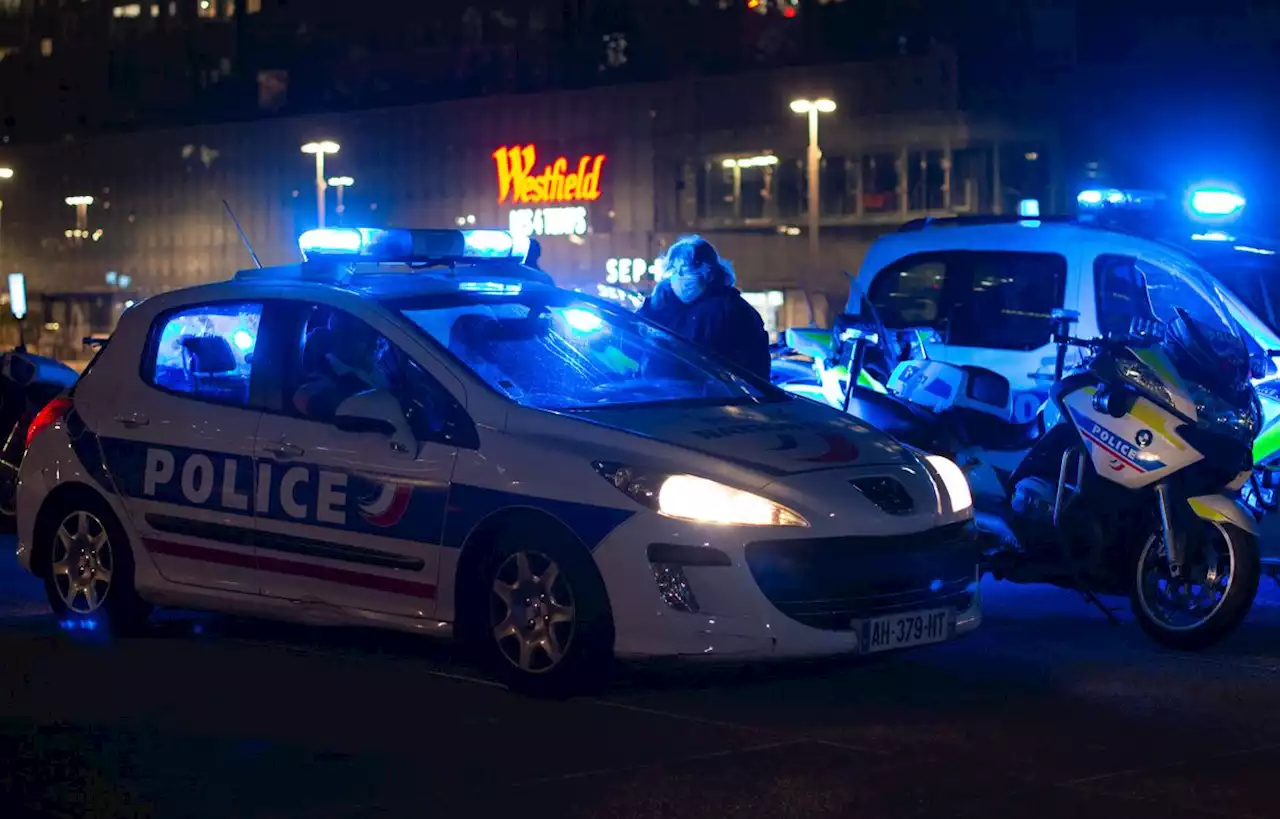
682	590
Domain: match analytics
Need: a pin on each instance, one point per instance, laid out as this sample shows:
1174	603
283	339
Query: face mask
688	288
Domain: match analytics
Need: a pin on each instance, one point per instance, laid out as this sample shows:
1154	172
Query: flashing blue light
1093	198
581	320
935	585
336	241
493	288
1216	202
488	244
1029	208
1212	236
78	625
243	340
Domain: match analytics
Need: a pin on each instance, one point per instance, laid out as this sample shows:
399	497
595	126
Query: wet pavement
1047	712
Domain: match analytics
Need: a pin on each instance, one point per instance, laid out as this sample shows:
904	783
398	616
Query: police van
412	429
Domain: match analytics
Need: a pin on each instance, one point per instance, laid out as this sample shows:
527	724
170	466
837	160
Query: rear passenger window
206	352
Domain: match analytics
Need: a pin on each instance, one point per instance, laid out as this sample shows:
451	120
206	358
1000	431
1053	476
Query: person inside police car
698	300
341	359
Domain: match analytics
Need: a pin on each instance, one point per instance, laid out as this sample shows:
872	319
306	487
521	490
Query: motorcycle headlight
1142	376
689	497
1216	414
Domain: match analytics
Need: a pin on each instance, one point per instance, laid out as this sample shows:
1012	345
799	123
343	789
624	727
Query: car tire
82	539
539	616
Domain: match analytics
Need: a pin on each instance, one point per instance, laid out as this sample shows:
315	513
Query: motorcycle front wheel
1213	594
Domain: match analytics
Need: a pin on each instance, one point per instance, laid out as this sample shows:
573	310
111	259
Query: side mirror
376	411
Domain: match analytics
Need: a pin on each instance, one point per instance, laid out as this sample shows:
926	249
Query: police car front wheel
89	573
548	629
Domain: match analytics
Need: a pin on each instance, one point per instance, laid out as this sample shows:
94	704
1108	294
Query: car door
181	448
356	515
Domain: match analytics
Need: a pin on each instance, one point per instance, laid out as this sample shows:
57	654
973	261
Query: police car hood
787	437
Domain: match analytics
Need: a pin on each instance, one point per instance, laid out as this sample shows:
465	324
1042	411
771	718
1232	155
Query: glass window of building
880	183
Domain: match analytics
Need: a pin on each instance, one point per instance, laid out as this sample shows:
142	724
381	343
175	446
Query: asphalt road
1047	712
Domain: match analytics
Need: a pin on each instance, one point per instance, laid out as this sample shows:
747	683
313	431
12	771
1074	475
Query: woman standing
698	300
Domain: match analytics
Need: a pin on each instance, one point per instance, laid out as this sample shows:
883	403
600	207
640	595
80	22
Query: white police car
558	479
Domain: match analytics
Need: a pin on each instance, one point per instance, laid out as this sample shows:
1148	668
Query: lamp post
5	173
341	183
320	149
81	204
813	108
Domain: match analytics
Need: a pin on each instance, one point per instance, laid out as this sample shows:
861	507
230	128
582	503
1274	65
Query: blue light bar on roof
409	246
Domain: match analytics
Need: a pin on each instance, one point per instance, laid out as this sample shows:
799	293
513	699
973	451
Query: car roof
1028	236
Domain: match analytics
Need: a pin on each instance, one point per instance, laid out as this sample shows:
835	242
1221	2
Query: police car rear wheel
549	631
90	571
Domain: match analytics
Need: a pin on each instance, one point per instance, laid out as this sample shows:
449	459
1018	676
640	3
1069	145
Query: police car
547	476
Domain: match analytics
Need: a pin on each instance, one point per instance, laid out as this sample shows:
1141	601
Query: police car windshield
551	350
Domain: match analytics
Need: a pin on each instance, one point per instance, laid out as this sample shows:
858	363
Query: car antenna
243	238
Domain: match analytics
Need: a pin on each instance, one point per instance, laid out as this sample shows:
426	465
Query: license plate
913	628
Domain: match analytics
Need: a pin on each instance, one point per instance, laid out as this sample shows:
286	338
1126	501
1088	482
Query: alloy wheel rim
83	562
532	613
1186	603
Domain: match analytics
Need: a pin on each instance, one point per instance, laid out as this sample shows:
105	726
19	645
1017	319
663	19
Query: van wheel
88	577
544	627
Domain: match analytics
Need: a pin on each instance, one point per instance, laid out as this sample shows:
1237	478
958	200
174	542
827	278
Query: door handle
284	450
133	420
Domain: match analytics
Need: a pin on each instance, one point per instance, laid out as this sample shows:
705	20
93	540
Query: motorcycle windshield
1207	339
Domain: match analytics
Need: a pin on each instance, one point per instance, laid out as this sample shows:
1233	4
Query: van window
1005	300
1000	300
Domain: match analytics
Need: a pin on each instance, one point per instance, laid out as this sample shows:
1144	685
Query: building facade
606	178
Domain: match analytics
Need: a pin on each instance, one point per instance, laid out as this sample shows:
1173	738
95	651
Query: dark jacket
720	319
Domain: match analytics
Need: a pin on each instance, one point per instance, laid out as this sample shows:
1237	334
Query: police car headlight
689	497
952	481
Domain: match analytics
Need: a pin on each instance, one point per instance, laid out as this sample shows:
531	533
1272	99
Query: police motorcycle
1121	484
807	363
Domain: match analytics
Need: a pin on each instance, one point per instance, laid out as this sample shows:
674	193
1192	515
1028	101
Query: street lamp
340	182
813	108
320	149
5	173
81	204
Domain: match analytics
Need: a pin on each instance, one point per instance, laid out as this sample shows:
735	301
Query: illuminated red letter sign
519	184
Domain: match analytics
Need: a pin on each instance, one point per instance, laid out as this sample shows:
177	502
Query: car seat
207	361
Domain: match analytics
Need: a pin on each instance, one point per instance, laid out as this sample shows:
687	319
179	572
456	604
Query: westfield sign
520	183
